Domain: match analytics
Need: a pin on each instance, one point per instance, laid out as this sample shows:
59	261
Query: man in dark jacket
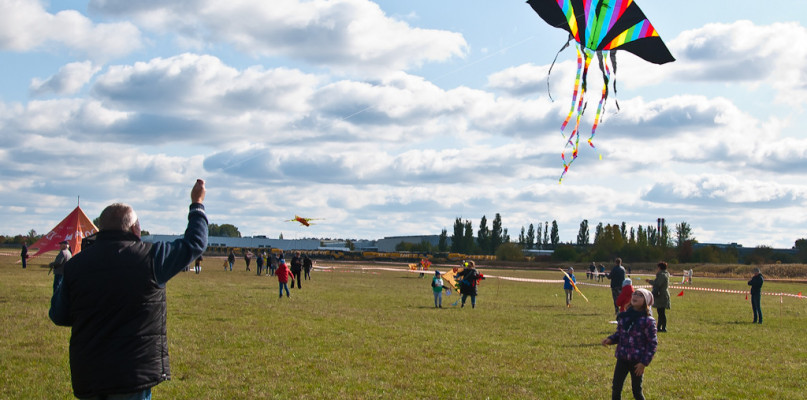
24	254
296	268
617	276
756	294
113	296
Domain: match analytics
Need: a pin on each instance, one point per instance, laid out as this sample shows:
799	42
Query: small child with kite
569	285
437	289
636	341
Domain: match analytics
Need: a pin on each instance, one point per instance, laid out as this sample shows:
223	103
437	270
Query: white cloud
69	80
25	25
346	35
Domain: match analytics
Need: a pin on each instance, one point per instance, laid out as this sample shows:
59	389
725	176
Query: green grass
375	334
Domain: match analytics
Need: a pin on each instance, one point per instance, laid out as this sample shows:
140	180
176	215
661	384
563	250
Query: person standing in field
468	279
197	265
568	287
247	258
591	271
296	269
661	294
623	301
230	259
113	296
61	259
283	277
756	294
636	342
437	289
307	266
600	272
617	276
272	264
24	254
259	262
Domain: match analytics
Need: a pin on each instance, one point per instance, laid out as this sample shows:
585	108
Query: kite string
548	91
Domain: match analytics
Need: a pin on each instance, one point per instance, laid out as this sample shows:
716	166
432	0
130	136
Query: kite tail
553	64
576	88
613	62
606	77
581	108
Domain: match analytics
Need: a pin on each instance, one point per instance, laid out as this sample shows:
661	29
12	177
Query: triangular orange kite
74	227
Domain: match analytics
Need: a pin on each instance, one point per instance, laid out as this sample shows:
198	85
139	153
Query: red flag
799	294
74	227
681	294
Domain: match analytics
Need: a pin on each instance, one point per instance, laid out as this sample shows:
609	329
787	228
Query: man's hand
198	192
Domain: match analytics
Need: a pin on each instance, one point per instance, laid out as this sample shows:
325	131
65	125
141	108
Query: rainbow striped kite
599	27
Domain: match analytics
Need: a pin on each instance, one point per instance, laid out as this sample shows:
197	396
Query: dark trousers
23	262
621	371
296	278
662	319
755	300
615	294
307	274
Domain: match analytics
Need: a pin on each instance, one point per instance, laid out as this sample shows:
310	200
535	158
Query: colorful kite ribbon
584	58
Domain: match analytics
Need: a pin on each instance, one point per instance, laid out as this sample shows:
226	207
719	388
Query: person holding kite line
661	294
636	341
468	279
617	276
113	297
568	286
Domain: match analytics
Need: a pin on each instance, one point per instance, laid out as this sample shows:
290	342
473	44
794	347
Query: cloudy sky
396	117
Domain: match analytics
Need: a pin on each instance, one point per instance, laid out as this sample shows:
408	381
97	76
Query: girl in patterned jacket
636	342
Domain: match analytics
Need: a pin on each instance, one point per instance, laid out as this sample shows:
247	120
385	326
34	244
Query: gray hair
117	217
756	270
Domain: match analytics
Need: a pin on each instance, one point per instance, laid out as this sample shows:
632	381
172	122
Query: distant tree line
641	243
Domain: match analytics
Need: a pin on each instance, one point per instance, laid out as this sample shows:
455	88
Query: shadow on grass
577	315
579	345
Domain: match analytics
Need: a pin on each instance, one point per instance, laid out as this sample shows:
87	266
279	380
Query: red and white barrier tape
558	281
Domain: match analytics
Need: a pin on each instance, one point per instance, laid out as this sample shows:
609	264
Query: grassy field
375	334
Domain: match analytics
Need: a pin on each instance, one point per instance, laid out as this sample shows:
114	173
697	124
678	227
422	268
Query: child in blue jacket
568	287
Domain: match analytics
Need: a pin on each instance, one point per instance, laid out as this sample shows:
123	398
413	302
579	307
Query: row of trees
639	243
